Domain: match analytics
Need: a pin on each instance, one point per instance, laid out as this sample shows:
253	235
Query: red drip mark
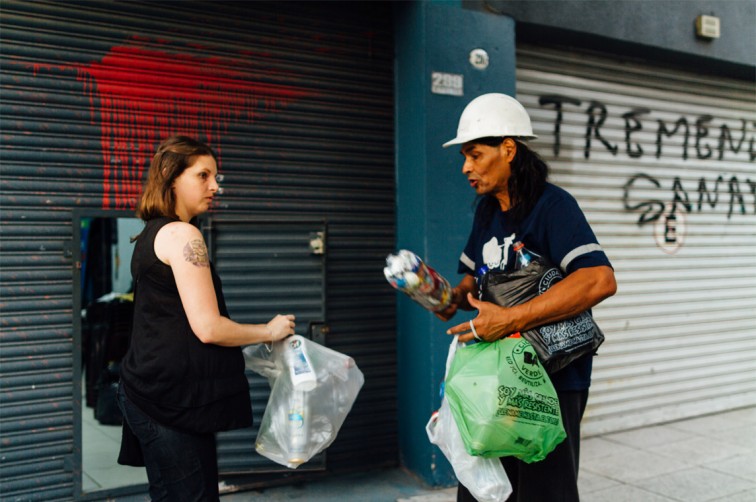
146	95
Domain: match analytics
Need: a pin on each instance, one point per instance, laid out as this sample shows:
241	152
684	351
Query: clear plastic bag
303	420
484	478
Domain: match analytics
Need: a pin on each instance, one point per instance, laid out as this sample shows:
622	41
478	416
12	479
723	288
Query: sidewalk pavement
704	459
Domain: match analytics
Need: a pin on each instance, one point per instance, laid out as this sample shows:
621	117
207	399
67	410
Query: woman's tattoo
195	252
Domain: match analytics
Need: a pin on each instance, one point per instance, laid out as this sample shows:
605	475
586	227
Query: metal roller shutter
269	266
662	162
297	98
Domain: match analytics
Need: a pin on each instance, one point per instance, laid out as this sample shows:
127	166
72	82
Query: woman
182	379
518	204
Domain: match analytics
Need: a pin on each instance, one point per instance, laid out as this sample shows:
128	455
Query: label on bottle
302	374
299	363
297	428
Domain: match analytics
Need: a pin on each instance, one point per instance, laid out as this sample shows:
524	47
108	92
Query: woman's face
195	188
488	167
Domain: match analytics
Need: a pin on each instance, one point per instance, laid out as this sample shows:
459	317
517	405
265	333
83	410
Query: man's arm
576	293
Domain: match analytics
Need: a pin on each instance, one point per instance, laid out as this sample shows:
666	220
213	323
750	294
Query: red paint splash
146	94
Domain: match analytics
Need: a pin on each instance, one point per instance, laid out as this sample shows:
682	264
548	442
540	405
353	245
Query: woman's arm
182	247
576	293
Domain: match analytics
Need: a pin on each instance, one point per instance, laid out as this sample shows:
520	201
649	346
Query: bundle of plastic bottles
406	272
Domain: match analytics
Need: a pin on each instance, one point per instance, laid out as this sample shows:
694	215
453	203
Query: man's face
487	168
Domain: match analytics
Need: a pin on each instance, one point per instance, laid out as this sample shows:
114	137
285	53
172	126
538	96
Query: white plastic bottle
303	380
300	367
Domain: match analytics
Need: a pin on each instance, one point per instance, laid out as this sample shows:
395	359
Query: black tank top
168	372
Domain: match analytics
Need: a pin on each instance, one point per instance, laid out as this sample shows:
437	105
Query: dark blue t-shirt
556	228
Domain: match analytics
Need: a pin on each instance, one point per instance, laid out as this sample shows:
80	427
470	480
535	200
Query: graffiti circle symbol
670	229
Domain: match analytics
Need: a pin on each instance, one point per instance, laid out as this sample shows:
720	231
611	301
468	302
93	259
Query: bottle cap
518	245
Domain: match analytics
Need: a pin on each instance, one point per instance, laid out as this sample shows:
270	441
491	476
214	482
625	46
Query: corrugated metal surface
681	332
267	267
296	97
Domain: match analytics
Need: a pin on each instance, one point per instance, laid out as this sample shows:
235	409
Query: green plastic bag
503	401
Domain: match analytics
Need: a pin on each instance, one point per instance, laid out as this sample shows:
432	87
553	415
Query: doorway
103	306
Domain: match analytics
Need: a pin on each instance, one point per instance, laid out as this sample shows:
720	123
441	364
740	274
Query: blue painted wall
434	202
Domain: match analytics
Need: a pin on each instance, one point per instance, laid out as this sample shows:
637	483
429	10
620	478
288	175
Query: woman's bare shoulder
173	239
179	228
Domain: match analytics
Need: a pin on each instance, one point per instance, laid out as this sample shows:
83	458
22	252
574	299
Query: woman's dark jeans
181	467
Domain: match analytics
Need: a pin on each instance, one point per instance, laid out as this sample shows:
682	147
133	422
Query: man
518	204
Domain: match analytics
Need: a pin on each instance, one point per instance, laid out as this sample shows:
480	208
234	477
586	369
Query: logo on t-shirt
496	255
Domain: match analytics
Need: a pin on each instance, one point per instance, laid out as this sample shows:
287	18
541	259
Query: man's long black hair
526	183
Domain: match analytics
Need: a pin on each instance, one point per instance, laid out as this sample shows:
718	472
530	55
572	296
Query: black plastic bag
557	344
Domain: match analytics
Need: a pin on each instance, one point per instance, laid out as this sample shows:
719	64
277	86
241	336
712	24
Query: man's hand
459	300
448	312
492	322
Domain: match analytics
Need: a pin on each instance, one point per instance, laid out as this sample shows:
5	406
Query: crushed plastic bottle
406	272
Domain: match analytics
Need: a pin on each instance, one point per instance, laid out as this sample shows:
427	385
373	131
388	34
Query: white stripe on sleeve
578	251
467	262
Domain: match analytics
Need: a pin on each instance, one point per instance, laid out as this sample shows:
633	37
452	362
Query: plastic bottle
523	256
408	273
300	367
481	273
298	422
303	380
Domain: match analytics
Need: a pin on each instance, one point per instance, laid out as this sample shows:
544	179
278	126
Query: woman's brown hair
173	156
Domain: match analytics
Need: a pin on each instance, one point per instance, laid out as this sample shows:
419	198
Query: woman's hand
281	326
491	323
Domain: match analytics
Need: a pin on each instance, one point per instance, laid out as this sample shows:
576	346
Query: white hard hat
492	114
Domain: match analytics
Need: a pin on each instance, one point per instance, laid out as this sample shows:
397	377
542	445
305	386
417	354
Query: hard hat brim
460	140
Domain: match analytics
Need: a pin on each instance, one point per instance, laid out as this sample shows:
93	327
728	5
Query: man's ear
509	147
